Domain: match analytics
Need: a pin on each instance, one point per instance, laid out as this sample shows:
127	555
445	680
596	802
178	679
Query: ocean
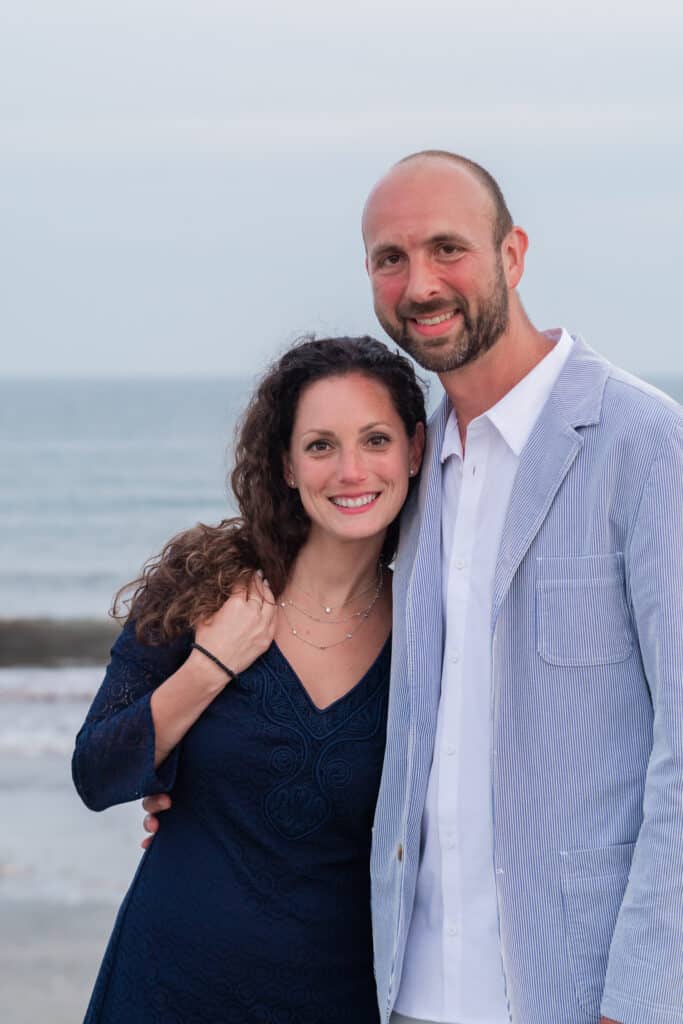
95	475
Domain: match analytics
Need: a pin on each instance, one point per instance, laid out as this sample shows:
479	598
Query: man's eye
448	249
391	259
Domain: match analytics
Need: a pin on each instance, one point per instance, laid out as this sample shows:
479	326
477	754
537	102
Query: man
528	844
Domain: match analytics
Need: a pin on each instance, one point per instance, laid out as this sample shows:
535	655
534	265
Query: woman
263	711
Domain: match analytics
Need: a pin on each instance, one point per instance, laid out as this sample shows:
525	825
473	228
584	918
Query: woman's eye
318	446
378	440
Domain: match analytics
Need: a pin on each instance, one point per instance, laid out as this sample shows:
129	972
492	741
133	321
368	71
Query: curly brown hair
196	571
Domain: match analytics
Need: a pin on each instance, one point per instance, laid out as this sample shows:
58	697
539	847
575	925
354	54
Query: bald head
443	258
441	164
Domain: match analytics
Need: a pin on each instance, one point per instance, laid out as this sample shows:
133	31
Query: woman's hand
240	631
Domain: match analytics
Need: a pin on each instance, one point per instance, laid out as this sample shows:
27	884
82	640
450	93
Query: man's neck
476	387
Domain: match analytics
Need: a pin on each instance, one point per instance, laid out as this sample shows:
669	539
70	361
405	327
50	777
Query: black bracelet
228	671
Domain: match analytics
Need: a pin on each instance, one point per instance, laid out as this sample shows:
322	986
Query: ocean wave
67	684
35	744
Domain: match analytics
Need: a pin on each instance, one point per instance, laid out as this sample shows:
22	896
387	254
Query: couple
527	851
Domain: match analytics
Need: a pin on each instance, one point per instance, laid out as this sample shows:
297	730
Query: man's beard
477	334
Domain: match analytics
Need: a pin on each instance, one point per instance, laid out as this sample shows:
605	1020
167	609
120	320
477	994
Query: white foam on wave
31	728
76	682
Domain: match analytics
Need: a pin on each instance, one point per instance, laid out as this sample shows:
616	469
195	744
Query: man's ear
513	251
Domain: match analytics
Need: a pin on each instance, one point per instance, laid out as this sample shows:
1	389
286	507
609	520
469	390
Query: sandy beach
63	874
49	956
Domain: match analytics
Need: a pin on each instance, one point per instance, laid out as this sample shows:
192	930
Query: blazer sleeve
644	981
113	760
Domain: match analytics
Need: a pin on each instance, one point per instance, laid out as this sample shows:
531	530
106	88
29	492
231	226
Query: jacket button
399	852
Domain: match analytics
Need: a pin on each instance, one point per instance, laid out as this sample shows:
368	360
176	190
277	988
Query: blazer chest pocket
581	612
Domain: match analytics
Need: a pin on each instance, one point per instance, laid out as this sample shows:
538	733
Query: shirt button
450	750
455	657
451	930
459	563
399	852
450	843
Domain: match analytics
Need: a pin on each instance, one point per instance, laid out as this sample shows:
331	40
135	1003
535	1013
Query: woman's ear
287	471
417	447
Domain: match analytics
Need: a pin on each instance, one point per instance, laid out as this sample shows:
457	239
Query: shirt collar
515	415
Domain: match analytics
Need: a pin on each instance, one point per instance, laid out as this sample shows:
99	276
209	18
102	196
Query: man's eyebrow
383	248
451	237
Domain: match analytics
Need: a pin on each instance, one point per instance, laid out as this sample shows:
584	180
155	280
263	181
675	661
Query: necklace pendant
349	635
328	611
294	632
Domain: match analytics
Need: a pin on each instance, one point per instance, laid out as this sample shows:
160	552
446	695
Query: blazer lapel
554	443
424	613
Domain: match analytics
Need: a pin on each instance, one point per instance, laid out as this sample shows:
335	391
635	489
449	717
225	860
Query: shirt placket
473	472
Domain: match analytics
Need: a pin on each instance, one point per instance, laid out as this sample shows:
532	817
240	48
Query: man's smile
438	323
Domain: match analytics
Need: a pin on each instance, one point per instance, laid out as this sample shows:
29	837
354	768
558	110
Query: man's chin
439	353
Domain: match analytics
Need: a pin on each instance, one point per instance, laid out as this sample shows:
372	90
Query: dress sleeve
113	761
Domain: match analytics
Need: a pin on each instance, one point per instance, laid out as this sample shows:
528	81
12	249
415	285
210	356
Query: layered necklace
358	617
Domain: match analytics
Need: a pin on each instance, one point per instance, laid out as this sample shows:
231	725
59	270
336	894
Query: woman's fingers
260	586
154	805
156	802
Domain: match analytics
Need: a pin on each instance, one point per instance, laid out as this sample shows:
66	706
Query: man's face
438	281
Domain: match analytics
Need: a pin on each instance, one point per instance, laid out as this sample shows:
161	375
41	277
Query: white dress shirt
453	968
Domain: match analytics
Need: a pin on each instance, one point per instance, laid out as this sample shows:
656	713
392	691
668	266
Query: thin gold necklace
328	609
335	643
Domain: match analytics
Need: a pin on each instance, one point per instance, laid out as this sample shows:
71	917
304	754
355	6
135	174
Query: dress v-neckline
275	652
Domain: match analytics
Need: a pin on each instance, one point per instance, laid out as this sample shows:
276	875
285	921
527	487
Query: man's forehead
427	196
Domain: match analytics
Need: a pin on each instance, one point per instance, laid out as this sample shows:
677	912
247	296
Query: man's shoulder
646	406
620	400
626	387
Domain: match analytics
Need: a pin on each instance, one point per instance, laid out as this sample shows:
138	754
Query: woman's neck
333	573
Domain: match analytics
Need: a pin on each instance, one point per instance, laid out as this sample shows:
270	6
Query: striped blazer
586	709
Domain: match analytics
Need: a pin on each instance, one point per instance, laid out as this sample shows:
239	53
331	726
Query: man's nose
423	284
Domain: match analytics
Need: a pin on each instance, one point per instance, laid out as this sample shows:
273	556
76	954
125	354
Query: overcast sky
181	183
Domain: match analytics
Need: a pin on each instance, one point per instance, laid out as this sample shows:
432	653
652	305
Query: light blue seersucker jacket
586	709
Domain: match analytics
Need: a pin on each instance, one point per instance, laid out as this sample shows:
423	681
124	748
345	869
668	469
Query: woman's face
350	456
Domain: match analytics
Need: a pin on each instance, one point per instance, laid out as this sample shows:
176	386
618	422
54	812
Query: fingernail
259	573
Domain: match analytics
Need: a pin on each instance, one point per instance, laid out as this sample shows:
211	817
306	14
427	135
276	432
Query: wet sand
49	957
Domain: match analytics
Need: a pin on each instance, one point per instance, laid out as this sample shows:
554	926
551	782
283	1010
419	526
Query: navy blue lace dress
252	905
